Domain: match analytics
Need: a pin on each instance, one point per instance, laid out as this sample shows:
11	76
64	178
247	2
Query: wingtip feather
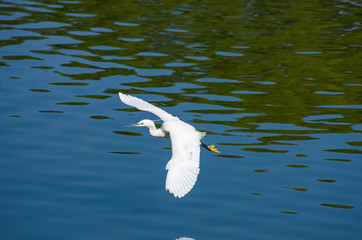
181	182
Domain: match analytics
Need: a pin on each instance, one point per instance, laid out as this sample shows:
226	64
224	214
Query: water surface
275	84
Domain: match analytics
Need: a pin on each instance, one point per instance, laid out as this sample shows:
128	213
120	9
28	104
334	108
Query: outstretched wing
145	106
184	165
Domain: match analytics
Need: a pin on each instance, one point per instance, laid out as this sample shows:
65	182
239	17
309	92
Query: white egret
184	165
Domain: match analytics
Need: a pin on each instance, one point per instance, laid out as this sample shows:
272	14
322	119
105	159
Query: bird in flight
184	165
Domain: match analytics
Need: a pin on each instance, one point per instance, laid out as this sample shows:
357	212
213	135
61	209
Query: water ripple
277	92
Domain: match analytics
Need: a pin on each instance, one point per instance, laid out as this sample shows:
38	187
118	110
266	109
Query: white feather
145	106
184	165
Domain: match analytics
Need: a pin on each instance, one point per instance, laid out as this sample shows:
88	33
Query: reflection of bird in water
184	165
185	238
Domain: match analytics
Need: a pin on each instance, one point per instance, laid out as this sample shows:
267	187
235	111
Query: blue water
277	93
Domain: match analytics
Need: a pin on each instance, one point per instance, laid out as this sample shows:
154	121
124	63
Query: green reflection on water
277	61
270	52
128	133
336	205
73	103
264	150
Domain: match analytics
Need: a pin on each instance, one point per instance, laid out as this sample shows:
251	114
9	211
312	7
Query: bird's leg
211	148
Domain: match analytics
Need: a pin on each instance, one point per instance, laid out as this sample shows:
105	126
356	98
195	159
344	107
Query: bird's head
142	123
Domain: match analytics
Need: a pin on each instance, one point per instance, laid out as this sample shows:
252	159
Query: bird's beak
132	125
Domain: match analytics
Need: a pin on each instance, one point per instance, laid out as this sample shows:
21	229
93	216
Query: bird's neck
156	132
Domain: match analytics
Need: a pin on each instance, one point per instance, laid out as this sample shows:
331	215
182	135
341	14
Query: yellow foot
213	148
